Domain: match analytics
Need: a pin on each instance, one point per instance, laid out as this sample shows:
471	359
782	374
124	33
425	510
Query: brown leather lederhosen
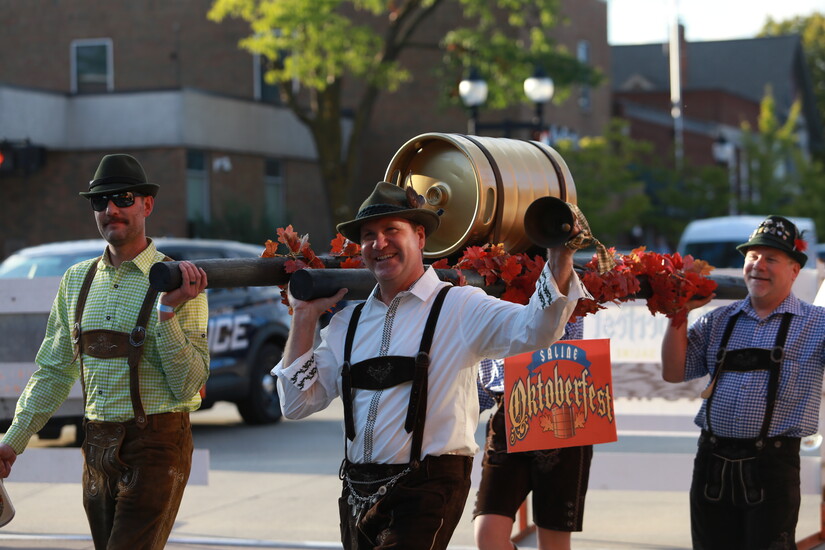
134	472
736	457
106	344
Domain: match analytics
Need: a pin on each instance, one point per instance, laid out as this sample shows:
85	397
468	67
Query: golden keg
482	186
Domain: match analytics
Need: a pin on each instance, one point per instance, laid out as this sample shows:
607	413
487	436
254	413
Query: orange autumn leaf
673	279
355	262
289	238
511	269
270	249
336	245
441	264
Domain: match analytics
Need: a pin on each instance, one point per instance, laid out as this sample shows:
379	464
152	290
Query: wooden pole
308	284
230	272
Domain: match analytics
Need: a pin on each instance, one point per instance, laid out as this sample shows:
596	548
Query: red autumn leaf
341	246
515	295
336	245
291	266
475	252
441	264
352	249
354	262
316	263
289	238
672	279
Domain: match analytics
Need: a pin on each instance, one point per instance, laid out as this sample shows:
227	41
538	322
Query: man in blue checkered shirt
764	356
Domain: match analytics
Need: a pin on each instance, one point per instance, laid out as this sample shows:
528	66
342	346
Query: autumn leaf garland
671	278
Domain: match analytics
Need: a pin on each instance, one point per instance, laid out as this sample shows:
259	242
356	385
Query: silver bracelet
165	309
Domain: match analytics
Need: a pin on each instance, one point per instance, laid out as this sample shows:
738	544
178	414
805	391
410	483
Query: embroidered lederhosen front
381	373
736	459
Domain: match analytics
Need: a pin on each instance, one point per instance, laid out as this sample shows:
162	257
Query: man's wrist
163	308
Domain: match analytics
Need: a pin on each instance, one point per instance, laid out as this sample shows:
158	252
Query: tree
344	53
812	31
610	194
781	178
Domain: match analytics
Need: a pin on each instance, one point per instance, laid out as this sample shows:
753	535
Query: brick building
158	80
722	85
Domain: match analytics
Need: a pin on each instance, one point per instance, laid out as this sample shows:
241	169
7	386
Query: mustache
114	219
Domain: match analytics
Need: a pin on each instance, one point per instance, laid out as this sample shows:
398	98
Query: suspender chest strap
417	410
752	359
107	344
388	371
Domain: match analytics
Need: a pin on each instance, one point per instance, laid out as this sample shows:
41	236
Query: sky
649	21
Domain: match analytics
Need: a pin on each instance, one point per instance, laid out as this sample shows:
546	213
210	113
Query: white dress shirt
472	325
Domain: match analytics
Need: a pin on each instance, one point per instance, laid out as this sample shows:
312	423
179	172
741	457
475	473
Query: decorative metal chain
360	503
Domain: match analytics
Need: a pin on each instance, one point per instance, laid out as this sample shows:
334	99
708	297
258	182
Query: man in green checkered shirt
141	360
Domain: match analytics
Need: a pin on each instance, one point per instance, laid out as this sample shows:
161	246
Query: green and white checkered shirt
173	368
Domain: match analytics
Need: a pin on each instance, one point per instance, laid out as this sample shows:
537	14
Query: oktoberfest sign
560	396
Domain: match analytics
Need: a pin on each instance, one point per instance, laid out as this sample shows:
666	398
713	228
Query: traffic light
7	158
20	158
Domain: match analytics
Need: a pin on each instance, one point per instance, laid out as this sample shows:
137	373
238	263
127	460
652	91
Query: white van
715	239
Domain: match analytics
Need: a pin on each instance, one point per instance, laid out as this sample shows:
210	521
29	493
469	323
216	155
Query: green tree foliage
781	178
681	196
333	48
812	30
610	193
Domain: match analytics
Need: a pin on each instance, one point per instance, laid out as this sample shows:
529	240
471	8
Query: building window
268	93
583	55
92	66
198	204
274	192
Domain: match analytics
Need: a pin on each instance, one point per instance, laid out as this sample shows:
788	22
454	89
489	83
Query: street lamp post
473	92
724	153
538	88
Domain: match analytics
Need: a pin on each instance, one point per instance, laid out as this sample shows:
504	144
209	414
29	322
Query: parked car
248	326
715	239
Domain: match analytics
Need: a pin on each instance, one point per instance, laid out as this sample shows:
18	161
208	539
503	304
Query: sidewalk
284	496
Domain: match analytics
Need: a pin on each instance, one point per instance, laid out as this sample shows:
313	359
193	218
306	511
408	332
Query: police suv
248	327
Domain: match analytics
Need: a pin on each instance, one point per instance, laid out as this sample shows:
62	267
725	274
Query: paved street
276	487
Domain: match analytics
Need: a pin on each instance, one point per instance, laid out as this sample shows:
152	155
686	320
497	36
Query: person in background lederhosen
140	369
557	478
765	356
404	363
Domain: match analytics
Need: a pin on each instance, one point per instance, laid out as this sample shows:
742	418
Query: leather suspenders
750	359
109	343
388	371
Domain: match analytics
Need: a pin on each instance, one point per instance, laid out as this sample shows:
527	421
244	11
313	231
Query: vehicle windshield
717	254
29	264
29	267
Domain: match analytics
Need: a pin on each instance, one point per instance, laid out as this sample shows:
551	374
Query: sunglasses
121	200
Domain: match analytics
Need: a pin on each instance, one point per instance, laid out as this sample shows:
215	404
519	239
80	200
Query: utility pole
676	88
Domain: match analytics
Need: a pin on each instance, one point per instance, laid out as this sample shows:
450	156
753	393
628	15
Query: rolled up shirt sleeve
183	348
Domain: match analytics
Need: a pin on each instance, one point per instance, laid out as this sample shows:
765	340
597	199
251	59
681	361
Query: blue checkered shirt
490	379
739	399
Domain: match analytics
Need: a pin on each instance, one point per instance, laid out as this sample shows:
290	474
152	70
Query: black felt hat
119	173
778	232
388	199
